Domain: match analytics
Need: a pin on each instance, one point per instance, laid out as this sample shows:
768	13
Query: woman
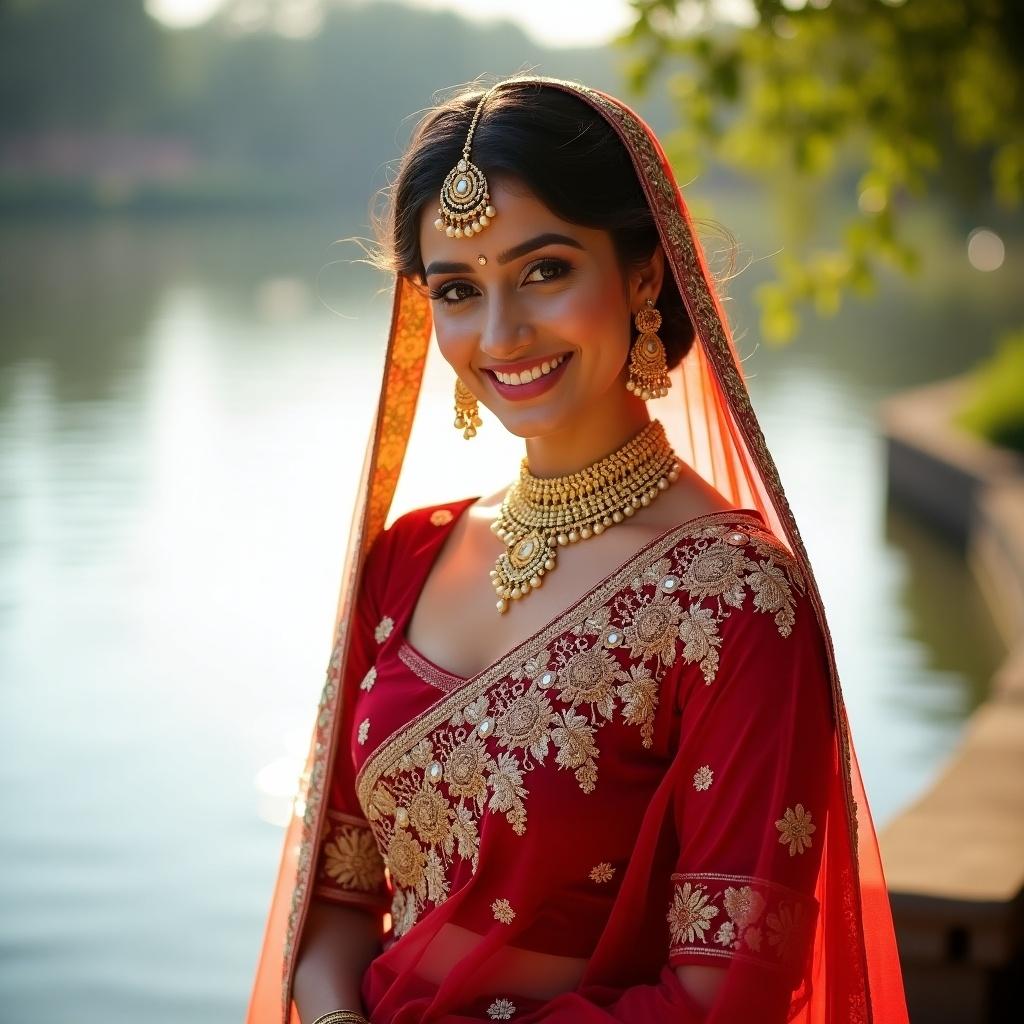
590	724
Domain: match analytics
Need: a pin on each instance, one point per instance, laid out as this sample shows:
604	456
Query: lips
536	385
523	373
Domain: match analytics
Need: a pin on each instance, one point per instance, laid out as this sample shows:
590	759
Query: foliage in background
258	110
995	405
899	96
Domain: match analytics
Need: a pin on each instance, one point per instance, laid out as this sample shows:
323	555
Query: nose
505	335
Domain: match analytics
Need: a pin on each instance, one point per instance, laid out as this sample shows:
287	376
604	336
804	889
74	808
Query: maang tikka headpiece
465	202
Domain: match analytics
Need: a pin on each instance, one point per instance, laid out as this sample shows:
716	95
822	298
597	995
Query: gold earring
648	369
467	412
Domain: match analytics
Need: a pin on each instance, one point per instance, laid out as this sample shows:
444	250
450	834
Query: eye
453	292
547	270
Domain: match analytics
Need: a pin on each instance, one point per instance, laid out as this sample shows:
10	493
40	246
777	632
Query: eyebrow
548	238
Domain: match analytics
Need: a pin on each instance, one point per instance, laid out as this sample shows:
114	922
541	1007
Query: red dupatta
759	883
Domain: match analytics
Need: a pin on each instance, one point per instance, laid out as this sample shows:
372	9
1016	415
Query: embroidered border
350	869
426	670
402	740
743	916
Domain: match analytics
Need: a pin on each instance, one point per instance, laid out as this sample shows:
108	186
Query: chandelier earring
648	368
467	412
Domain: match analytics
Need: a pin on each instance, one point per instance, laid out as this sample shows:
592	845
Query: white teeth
529	375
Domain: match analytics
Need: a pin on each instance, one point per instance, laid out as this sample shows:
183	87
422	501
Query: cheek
594	316
456	342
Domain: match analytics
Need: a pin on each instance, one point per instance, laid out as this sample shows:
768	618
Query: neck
588	439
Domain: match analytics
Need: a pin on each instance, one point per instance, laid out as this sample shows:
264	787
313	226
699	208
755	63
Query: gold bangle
341	1017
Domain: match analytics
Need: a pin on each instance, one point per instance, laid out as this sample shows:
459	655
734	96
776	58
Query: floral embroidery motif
588	678
352	860
702	778
785	928
383	630
369	679
351	868
426	791
441	517
796	828
748	906
503	911
364	731
501	1009
690	915
602	872
654	630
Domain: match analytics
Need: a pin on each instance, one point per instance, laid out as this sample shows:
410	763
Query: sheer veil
854	973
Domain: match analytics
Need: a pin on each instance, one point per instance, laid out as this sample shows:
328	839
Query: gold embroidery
743	905
748	906
588	678
351	868
796	828
639	701
441	517
717	571
654	629
702	778
545	702
383	630
369	679
602	872
690	915
503	911
405	861
526	723
431	816
501	1009
785	928
574	737
464	769
364	731
699	633
429	673
352	859
507	792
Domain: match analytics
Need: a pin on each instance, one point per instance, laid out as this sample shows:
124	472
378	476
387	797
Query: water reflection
181	428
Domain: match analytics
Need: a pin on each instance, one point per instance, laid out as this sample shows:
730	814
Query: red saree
661	776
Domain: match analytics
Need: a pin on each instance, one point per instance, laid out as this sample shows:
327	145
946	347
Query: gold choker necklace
539	516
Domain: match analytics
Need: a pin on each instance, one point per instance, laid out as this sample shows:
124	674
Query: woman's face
531	293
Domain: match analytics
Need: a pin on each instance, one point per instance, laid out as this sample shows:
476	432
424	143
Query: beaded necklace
538	516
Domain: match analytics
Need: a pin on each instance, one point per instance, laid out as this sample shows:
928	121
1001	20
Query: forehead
519	215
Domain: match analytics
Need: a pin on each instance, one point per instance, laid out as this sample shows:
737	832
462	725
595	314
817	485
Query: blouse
525	791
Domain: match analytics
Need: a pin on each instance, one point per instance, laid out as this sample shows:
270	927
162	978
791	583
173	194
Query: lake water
183	410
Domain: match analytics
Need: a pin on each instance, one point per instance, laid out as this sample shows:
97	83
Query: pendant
521	568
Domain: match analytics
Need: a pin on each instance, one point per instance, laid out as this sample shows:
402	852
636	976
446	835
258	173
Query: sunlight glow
182	13
985	250
554	25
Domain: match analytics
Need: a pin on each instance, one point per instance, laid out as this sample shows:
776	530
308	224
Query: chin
536	423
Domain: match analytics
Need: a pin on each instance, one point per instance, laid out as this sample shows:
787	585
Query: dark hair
563	151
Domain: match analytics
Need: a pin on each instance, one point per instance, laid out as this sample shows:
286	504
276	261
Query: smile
531	374
531	380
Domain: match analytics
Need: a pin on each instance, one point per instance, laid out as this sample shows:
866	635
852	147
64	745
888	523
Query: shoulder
726	553
738	587
429	518
418	525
